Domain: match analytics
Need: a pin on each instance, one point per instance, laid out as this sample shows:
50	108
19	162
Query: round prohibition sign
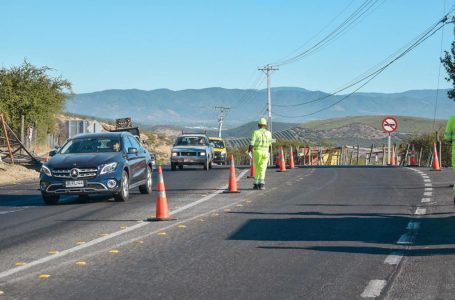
390	124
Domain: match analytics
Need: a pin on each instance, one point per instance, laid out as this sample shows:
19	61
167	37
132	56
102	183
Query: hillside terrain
290	105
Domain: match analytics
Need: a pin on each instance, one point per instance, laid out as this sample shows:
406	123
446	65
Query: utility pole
268	69
222	110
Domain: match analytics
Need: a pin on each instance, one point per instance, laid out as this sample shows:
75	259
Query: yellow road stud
239	205
80	243
227	209
123	227
20	264
162	233
44	276
139	242
52	252
81	263
201	220
113	251
215	214
103	234
181	226
1	292
248	201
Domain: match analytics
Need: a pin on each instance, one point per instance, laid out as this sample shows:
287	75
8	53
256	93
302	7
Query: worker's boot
262	186
255	186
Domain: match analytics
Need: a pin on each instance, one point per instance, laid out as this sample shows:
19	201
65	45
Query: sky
182	44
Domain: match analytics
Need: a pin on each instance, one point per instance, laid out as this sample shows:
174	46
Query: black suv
97	163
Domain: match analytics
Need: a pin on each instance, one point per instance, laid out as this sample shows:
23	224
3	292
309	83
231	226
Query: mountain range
196	107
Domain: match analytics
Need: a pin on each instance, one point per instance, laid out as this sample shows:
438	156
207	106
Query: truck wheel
210	165
206	165
50	199
124	192
173	167
180	167
147	187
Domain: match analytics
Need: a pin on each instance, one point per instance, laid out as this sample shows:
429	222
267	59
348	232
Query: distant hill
197	107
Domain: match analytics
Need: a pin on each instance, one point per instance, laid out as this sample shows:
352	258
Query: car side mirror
53	152
132	150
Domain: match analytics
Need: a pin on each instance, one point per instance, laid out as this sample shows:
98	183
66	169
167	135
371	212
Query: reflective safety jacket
449	134
261	139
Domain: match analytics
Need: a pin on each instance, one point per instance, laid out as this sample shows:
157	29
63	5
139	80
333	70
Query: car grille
187	153
86	173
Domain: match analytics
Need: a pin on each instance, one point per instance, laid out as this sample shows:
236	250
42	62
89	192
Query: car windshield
218	143
190	141
91	145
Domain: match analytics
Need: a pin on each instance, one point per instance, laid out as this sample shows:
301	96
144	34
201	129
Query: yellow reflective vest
261	139
449	134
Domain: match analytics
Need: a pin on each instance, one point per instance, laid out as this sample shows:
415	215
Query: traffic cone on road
232	186
435	166
252	170
393	161
413	157
282	161
162	211
291	160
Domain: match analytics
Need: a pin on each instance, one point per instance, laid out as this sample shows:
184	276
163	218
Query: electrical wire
439	75
379	71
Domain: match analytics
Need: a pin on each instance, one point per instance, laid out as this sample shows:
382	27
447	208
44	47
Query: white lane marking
428	189
428	194
428	184
405	239
427	180
426	177
426	200
412	225
420	211
11	211
394	258
108	237
373	289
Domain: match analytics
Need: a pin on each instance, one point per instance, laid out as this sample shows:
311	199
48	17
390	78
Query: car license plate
74	183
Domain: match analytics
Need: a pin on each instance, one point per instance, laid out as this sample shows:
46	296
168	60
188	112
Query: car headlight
174	154
108	168
46	170
202	153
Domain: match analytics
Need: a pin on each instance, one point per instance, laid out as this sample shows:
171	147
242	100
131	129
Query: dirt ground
12	174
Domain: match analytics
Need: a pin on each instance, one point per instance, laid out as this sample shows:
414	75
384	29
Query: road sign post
389	125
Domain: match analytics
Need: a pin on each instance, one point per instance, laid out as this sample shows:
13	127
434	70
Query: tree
30	91
449	63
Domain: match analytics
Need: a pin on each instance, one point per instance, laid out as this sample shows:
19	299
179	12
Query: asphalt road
325	233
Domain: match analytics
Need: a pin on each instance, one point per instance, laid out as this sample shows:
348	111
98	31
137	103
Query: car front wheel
124	192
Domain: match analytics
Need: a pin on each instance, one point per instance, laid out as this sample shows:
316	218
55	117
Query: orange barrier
252	170
282	161
291	160
162	210
413	157
232	187
435	166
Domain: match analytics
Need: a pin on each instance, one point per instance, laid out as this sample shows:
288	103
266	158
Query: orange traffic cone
282	161
393	161
413	157
232	187
252	170
435	166
291	160
162	211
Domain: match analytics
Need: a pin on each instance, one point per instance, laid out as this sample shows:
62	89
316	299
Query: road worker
449	135
261	141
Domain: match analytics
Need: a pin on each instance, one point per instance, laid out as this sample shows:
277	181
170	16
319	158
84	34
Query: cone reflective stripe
282	161
435	166
413	157
162	210
232	187
291	160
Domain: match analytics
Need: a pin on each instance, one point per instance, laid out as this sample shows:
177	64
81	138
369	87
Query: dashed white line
428	194
428	184
427	180
428	189
394	258
373	289
420	211
10	211
426	200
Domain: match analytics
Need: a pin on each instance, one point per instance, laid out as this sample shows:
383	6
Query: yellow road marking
162	233
201	220
103	234
181	226
248	201
81	263
123	227
44	276
80	243
113	251
52	252
139	242
227	209
20	264
239	205
215	214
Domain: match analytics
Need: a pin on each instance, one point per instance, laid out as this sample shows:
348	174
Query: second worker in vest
449	135
261	140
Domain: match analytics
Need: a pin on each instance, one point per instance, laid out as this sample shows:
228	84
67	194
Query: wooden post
7	138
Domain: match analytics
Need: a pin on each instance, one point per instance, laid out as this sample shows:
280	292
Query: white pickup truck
192	149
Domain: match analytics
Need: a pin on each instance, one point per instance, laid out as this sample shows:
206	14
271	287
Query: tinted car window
91	145
218	144
190	141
